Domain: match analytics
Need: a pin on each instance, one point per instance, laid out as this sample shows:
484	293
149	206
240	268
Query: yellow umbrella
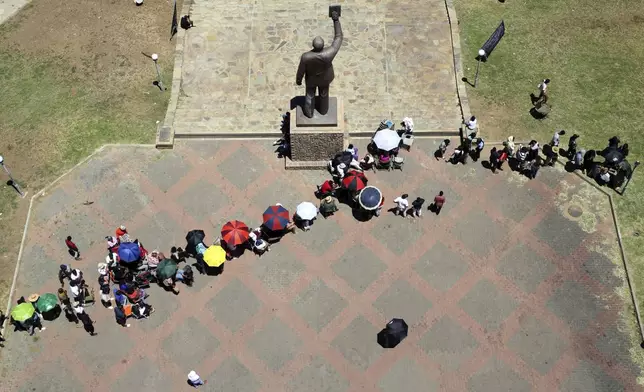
214	256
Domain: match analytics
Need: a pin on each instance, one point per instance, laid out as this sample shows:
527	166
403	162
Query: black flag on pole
494	39
175	22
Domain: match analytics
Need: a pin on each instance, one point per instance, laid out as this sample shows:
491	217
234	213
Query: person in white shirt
401	205
471	125
555	138
543	94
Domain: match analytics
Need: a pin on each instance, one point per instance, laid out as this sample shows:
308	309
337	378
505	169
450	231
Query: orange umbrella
235	233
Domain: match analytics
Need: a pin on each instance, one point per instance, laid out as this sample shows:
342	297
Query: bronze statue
317	69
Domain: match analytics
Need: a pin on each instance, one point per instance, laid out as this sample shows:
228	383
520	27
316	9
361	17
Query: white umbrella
306	210
386	139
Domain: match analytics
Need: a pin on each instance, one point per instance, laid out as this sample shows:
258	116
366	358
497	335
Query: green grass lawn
72	82
593	53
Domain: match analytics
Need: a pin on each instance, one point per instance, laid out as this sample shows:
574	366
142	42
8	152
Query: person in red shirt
120	231
72	248
439	200
326	189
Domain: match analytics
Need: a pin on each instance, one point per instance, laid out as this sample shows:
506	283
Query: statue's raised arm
316	69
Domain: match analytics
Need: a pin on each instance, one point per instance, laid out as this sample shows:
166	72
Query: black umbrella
612	155
395	331
194	237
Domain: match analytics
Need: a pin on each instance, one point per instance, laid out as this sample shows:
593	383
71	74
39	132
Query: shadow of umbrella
394	333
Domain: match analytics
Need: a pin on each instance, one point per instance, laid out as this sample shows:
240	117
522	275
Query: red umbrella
235	233
354	181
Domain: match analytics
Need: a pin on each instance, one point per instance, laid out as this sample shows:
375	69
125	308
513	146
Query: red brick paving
57	342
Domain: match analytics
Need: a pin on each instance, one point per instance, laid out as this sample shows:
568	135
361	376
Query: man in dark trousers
72	248
417	206
439	201
494	159
88	324
316	69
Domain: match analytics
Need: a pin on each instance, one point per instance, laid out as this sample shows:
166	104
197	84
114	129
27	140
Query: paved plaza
240	60
508	289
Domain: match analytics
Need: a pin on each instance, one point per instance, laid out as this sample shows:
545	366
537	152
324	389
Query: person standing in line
88	324
480	143
442	148
417	207
401	205
494	159
439	201
64	272
104	285
72	248
471	126
121	317
194	380
572	147
66	304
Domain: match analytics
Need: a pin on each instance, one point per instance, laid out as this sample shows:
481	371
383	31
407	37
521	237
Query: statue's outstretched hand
334	15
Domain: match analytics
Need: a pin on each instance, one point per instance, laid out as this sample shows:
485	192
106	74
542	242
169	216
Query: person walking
494	159
401	205
194	380
35	322
72	249
88	324
417	206
439	201
543	92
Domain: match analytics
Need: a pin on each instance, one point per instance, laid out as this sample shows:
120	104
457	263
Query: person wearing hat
194	380
327	206
33	298
120	232
104	285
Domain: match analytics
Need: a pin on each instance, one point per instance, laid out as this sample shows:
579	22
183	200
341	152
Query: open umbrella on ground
395	331
235	233
386	139
46	302
167	268
48	306
193	238
354	181
214	256
306	210
129	252
23	312
370	198
276	218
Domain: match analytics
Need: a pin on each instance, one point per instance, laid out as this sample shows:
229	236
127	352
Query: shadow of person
486	164
361	215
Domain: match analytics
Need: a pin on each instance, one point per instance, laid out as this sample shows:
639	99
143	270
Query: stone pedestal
314	141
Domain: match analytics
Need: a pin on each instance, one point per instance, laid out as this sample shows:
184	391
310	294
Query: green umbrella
23	312
167	268
46	302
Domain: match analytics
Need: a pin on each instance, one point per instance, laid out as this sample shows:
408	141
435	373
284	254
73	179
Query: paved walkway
8	8
240	62
508	289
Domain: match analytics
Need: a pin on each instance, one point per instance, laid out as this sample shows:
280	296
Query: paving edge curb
461	91
31	203
631	285
165	131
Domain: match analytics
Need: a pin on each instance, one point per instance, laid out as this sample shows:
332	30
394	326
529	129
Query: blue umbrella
370	198
129	252
276	218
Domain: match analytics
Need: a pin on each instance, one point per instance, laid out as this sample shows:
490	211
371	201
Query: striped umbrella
354	181
276	218
235	233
